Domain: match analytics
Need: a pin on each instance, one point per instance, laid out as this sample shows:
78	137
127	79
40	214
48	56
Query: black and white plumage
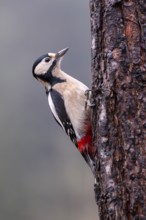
67	101
57	107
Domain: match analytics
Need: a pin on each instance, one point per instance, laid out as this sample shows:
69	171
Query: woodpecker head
43	67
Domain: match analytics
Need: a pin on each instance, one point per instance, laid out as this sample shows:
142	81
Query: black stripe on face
47	77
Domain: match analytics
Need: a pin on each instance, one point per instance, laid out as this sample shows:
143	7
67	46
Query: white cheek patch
42	67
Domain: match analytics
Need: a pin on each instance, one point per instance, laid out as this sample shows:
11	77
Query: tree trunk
118	59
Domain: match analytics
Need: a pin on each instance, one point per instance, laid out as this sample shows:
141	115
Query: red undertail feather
85	144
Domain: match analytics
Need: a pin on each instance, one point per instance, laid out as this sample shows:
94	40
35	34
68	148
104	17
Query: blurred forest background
42	175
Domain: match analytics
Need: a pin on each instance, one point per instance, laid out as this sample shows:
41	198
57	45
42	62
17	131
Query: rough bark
118	65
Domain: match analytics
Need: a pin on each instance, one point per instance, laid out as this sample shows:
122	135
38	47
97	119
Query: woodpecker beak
61	53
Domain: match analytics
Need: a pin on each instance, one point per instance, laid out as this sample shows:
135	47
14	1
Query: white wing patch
53	110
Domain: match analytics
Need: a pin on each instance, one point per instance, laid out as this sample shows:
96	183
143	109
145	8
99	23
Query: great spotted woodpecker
67	101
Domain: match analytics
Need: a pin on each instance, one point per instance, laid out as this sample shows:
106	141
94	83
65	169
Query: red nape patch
85	143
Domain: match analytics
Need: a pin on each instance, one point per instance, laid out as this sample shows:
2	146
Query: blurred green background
42	175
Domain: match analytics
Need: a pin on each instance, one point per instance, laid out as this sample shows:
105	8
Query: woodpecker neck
51	78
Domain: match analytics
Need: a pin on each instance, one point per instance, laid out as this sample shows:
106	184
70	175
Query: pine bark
118	65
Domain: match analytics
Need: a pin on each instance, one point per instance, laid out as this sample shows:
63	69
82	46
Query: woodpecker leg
89	98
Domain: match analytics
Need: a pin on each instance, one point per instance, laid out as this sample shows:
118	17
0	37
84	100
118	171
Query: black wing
59	112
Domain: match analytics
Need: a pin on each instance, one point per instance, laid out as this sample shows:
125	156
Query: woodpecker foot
89	98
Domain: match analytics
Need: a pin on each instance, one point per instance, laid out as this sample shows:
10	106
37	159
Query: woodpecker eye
47	59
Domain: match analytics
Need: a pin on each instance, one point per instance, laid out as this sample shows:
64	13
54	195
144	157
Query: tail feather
87	150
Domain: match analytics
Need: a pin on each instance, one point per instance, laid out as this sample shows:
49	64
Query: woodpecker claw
89	98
